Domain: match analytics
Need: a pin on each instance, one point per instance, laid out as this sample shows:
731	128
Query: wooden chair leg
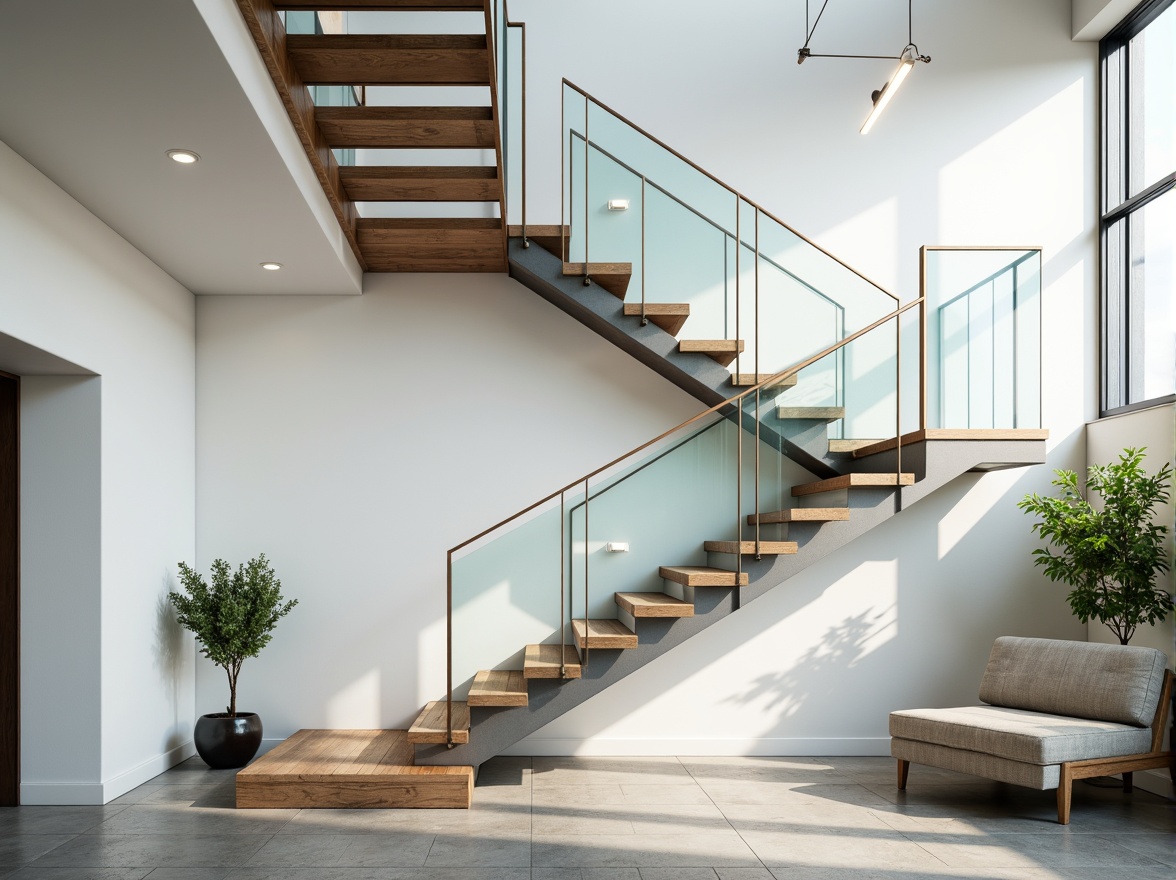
903	768
1065	783
1128	782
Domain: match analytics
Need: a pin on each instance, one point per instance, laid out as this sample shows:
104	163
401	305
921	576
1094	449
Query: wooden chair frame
1124	764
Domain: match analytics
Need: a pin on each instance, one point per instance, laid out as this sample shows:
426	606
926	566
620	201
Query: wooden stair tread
550	237
800	514
542	661
430	724
350	769
390	59
447	244
820	413
701	576
669	316
852	481
392	183
743	380
842	446
613	277
498	687
603	633
766	548
954	434
721	350
653	605
407	127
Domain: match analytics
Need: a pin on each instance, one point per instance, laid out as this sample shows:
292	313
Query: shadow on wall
170	656
821	668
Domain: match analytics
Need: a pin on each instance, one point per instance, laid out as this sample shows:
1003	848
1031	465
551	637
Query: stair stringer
935	463
600	311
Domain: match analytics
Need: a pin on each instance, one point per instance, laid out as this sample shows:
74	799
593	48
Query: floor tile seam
726	819
907	837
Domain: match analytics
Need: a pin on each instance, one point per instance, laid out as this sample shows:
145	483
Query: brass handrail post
898	409
449	649
523	30
563	630
587	275
755	364
564	230
923	339
584	658
738	497
644	319
738	278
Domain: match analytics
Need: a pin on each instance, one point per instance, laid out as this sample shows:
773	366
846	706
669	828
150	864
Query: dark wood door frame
9	590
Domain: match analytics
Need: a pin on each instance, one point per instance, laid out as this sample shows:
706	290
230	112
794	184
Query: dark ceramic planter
226	742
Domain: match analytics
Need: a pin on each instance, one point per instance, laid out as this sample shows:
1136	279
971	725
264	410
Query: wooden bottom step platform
350	769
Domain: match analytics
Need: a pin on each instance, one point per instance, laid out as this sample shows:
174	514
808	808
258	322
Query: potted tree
1110	554
232	620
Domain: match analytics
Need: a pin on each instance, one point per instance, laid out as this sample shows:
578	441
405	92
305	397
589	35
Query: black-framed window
1139	209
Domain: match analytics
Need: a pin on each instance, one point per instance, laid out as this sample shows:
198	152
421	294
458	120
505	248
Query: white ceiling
95	94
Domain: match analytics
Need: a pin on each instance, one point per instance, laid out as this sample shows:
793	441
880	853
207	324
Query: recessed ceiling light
273	267
184	157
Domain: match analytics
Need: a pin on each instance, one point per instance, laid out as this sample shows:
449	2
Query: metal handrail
723	184
734	400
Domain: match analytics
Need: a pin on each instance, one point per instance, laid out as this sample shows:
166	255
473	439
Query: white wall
1154	428
71	287
353	441
61	562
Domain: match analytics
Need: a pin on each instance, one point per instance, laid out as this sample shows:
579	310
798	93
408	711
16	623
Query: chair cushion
1116	683
1020	735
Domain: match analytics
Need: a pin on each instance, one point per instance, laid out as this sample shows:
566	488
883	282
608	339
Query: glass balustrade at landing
983	331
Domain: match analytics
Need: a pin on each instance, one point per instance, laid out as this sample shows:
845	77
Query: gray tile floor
612	819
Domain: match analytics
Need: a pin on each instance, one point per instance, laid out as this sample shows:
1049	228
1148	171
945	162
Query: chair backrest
1083	679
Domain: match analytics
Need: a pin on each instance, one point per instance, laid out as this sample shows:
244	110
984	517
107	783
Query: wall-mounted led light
272	267
617	546
183	157
618	204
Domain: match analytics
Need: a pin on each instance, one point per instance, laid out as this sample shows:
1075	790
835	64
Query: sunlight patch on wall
1024	182
871	235
357	704
979	501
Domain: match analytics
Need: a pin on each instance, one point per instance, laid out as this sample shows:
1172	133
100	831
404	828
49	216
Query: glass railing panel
661	507
511	577
983	333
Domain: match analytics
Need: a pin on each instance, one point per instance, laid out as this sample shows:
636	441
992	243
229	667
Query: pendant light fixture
883	96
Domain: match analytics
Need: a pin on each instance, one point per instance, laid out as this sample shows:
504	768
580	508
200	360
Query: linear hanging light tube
884	96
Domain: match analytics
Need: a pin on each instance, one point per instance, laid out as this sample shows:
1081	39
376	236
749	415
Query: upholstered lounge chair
1056	711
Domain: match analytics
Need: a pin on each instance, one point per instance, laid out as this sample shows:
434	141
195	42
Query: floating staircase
857	484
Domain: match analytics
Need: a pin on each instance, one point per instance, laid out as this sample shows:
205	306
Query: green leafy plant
233	618
1110	553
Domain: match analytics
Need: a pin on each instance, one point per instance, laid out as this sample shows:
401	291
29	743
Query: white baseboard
43	794
147	771
759	747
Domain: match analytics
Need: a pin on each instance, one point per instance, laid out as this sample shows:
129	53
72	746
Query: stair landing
351	769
